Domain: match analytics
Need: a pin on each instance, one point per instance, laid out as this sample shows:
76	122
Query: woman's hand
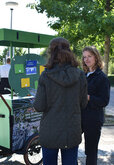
88	97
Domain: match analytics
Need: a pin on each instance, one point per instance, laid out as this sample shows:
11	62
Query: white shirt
90	73
4	70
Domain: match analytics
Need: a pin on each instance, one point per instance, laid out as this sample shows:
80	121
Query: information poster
31	67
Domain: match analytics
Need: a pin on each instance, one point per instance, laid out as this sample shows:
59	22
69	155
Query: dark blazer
62	92
99	91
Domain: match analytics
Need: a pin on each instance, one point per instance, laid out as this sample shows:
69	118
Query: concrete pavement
106	145
105	153
106	148
110	107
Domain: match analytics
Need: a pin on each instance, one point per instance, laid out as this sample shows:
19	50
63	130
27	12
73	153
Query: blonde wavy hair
98	60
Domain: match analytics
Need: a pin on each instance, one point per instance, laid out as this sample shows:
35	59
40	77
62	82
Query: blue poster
31	70
31	63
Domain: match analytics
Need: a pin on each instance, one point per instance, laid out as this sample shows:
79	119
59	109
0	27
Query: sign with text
31	70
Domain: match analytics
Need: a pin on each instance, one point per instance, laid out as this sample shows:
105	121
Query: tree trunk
106	54
107	42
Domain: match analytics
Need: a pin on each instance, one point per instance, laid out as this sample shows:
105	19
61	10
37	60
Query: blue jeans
69	156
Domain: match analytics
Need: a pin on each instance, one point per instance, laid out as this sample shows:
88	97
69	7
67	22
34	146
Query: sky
23	18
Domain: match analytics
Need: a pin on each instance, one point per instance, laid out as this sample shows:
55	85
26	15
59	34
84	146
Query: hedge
111	79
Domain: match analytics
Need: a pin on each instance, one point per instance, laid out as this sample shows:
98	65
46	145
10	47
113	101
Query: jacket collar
97	71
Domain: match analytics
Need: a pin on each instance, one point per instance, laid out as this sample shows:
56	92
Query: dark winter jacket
99	91
62	92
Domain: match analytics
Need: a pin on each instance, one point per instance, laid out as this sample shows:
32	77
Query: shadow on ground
7	161
104	158
11	163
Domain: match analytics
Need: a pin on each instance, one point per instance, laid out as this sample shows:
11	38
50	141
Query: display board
24	73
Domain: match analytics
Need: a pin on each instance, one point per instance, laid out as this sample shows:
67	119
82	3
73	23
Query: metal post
28	50
11	4
11	51
11	18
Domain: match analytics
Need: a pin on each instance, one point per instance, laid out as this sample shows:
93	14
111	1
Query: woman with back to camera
61	93
98	98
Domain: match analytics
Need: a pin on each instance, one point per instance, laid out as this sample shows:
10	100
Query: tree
19	51
82	20
6	52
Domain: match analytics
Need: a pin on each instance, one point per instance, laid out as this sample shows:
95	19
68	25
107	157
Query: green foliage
19	52
82	22
79	19
44	52
4	54
111	67
90	15
111	79
6	51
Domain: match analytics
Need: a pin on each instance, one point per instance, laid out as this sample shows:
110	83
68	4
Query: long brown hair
60	53
98	61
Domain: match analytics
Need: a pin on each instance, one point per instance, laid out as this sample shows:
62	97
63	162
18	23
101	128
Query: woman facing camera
98	98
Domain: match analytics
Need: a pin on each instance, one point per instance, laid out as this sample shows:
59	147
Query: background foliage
82	22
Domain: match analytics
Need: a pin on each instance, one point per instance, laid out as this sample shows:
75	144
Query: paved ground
106	145
105	153
110	107
106	148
